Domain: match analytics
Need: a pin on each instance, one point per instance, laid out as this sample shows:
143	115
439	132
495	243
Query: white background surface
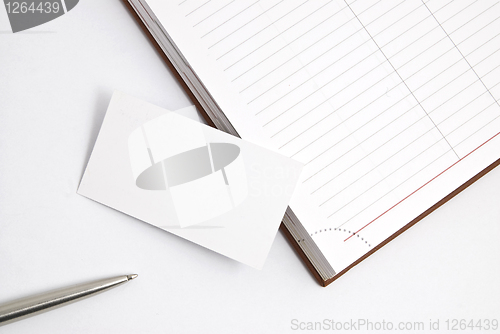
55	83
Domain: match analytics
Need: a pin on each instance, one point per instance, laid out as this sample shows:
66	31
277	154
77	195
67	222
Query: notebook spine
291	227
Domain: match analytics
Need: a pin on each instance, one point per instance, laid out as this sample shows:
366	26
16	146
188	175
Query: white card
204	185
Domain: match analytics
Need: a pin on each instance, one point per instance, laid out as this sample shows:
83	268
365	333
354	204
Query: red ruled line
435	177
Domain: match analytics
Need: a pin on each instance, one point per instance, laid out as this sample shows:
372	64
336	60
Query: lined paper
390	105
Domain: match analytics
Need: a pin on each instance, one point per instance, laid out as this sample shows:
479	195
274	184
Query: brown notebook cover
285	231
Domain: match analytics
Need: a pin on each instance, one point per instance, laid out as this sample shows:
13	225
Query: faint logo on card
204	179
24	15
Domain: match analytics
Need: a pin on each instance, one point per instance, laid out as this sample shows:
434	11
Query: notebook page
391	105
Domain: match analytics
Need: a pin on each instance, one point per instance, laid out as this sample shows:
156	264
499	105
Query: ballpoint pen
28	306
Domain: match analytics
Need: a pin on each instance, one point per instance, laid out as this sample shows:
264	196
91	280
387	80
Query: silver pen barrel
32	305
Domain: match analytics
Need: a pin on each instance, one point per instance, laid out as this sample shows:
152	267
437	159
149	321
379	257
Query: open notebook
391	105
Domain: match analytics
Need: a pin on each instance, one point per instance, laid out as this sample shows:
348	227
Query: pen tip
131	277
